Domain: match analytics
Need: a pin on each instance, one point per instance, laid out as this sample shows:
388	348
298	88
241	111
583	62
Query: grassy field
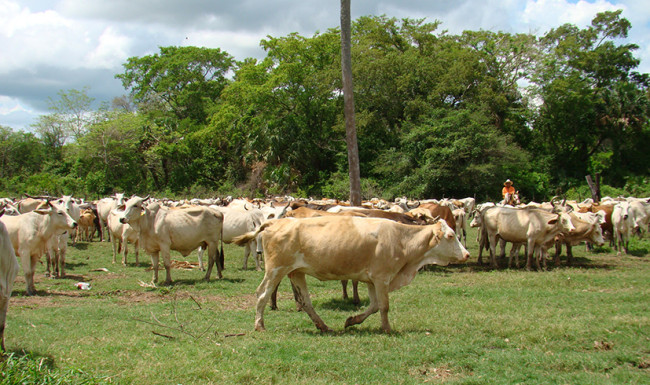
586	324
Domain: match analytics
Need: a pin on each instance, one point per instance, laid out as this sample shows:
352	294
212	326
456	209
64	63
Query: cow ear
43	211
552	221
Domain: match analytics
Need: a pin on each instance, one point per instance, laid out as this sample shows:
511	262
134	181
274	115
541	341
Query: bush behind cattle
458	324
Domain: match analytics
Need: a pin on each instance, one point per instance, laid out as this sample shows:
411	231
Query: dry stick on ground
180	328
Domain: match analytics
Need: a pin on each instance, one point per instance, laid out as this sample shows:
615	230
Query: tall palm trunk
348	99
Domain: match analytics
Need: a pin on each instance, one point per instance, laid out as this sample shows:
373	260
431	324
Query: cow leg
247	252
4	304
258	261
558	251
302	297
502	244
155	259
344	286
382	301
115	249
372	308
274	299
168	266
355	293
136	246
125	251
200	253
62	251
569	255
214	259
493	251
270	282
29	265
530	255
514	251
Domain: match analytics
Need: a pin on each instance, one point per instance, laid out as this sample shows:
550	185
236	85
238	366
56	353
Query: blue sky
48	46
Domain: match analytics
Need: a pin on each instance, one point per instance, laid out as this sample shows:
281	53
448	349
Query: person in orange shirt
508	188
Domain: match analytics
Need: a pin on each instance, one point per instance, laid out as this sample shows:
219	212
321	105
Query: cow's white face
132	209
448	248
565	223
58	216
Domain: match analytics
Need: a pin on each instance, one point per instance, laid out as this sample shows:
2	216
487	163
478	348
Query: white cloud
49	45
111	51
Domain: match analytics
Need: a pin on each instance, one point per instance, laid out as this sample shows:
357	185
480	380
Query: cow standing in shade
384	254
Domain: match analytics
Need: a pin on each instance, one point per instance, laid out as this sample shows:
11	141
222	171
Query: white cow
534	227
8	271
121	235
31	232
164	229
623	224
104	207
58	245
235	223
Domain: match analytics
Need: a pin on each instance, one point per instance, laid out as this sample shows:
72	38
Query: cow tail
245	238
222	260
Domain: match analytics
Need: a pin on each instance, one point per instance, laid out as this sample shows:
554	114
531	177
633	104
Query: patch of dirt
431	374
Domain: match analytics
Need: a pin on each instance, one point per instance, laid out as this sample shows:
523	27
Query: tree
73	109
185	81
594	104
348	96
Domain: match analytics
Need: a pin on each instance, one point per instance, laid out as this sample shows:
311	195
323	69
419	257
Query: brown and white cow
384	254
587	229
183	229
31	232
8	270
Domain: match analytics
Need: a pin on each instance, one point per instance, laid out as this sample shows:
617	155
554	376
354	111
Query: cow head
445	248
58	215
563	221
132	209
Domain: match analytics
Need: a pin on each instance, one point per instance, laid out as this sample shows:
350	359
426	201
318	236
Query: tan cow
184	230
384	254
31	232
8	271
86	224
121	235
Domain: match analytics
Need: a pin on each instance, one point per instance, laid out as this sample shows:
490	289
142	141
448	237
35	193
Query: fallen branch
162	335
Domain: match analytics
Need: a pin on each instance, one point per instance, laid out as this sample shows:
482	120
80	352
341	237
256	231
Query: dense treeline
437	115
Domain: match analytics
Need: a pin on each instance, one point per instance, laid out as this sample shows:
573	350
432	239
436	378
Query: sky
48	46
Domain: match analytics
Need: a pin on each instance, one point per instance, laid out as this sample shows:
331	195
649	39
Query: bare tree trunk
348	99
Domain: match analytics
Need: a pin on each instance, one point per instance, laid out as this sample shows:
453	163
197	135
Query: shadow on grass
80	246
41	360
344	305
194	281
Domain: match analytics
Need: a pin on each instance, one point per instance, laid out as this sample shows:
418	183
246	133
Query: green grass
467	324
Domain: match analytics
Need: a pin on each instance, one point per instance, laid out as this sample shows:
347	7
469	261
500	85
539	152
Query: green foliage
436	115
31	369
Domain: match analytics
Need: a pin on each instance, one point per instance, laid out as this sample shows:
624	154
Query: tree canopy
436	115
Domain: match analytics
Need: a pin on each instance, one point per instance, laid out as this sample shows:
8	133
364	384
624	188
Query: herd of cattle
382	243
